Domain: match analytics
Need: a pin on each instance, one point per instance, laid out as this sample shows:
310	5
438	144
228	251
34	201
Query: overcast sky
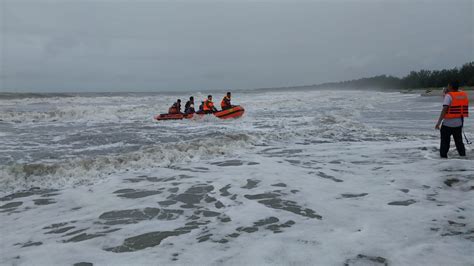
180	45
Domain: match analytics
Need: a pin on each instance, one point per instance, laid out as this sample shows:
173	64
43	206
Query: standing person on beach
451	119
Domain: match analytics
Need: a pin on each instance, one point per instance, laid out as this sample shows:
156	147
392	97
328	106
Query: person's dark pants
446	133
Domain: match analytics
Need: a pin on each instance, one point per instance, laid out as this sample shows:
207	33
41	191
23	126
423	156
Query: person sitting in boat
225	103
208	106
189	107
201	108
175	108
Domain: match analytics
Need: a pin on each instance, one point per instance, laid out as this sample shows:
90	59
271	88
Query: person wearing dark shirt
189	107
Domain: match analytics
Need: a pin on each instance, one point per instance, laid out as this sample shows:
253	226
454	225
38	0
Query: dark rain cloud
164	45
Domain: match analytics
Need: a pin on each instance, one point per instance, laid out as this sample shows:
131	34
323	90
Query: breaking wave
80	114
90	170
271	119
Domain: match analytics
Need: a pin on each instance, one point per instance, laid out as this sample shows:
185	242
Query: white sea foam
276	117
306	178
89	170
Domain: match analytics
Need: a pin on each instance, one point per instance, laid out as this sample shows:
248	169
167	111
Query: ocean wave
278	119
26	95
89	170
83	108
33	95
80	114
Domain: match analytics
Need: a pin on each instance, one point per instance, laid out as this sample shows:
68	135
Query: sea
305	177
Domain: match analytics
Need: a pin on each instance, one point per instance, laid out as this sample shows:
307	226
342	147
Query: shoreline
437	92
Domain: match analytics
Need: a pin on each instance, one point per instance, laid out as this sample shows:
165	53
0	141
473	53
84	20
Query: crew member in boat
175	108
225	103
208	105
189	107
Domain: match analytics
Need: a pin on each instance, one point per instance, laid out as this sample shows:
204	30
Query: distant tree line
416	79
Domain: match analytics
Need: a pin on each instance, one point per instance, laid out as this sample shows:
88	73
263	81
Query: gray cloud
143	46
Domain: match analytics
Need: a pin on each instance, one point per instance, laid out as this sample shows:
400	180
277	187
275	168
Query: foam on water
305	177
89	170
84	139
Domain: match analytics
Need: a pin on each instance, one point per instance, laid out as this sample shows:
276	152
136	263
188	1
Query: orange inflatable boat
173	116
234	112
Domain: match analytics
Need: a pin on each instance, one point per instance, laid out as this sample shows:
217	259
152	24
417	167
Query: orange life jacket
225	102
208	105
459	106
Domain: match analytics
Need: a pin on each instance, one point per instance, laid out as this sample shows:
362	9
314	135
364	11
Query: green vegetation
416	79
